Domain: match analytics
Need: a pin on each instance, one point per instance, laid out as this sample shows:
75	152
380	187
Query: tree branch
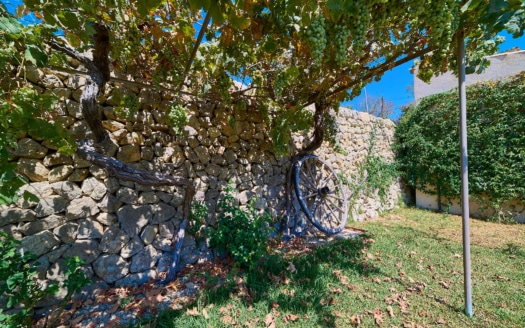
195	47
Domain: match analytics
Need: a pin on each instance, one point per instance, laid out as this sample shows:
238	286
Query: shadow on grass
298	284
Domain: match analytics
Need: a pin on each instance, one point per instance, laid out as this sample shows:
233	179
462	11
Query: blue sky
394	85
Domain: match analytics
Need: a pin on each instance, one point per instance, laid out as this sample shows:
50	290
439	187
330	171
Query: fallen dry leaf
205	314
390	311
441	321
355	320
228	320
378	317
269	321
193	311
444	284
291	267
290	317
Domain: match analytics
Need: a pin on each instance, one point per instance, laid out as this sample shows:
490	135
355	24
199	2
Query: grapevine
177	118
316	38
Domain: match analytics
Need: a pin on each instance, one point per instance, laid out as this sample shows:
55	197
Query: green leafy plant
199	211
240	232
19	286
128	106
177	118
427	144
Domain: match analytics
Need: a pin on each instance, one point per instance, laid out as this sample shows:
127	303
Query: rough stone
107	219
33	169
81	130
133	218
60	173
136	279
78	175
149	197
66	189
50	205
47	223
85	249
51	82
57	159
38	189
144	260
113	240
162	212
16	215
29	148
166	230
129	153
111	267
33	74
40	243
74	109
163	244
148	234
66	232
131	248
128	196
94	188
109	204
89	229
81	208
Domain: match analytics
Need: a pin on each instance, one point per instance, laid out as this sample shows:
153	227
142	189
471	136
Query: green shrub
427	142
240	232
19	286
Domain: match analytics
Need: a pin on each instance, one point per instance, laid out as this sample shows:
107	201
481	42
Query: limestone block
113	125
28	148
149	197
131	248
107	219
133	218
136	279
40	243
66	232
16	215
148	234
113	241
128	195
81	130
129	153
85	249
111	267
66	189
51	81
75	81
33	74
90	229
162	212
78	175
144	260
60	173
50	205
109	204
149	99
94	188
81	208
39	189
47	223
57	159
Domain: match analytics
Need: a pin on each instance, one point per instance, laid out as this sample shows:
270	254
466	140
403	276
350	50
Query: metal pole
464	174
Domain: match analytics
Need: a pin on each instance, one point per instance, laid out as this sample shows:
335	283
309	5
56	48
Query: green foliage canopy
427	142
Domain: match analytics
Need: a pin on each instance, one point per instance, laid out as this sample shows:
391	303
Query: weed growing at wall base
243	233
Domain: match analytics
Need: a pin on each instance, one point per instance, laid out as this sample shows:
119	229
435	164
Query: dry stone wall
124	231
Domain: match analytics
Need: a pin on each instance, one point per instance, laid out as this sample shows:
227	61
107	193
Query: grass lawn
407	271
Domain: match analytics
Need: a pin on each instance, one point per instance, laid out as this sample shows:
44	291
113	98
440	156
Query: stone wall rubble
124	231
